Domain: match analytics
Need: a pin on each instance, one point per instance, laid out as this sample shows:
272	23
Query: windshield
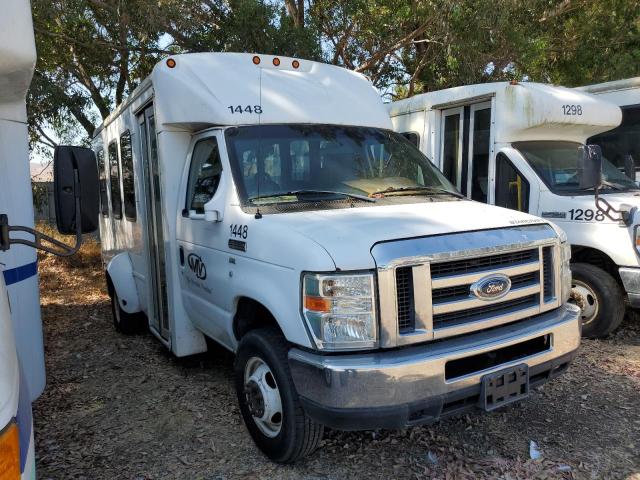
294	163
557	164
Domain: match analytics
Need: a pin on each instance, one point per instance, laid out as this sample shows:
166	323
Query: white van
264	202
516	145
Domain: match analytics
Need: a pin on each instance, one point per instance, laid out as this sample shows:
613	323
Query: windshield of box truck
557	164
296	163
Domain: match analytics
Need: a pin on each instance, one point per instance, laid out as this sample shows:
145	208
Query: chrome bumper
631	282
391	389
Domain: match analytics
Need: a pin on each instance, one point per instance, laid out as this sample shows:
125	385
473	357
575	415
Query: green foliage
93	53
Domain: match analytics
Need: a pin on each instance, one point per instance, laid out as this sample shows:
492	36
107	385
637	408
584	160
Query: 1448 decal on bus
196	265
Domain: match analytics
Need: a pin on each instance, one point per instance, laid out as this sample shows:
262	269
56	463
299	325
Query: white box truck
516	145
264	202
623	141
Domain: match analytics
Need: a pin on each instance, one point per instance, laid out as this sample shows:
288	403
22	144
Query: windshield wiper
419	188
299	193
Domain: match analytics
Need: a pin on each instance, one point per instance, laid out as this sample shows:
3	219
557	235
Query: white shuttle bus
623	142
516	145
265	203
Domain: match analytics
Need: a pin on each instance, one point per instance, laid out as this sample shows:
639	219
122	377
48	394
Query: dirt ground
119	407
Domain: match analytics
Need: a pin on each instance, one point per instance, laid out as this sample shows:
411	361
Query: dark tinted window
102	171
114	180
512	189
623	140
128	185
204	174
412	137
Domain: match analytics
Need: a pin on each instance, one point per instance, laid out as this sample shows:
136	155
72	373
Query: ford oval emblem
491	287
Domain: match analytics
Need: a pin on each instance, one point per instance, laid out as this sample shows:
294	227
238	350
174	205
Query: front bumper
409	386
631	282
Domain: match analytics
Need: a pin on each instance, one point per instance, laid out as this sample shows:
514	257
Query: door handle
181	252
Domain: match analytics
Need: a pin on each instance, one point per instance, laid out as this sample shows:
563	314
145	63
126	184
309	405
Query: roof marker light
295	64
256	60
276	61
171	63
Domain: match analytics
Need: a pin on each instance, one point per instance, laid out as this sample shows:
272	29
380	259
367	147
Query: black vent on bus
404	295
547	273
471	265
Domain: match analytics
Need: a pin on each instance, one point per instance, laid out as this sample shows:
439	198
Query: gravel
122	407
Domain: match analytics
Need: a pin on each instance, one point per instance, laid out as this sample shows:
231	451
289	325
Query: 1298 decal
586	215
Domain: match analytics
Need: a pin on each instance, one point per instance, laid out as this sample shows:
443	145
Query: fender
120	271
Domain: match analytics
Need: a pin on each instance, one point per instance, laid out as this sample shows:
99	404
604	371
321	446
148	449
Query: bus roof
200	90
526	110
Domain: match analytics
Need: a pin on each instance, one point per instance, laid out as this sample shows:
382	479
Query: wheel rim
591	304
262	397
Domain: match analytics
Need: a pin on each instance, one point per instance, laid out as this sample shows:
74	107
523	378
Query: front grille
459	292
547	272
491	310
453	309
404	295
472	265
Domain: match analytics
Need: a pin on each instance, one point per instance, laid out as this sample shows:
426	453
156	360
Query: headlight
636	238
10	453
565	271
340	310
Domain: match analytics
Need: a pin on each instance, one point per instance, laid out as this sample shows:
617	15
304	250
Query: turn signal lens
171	63
256	60
10	453
317	304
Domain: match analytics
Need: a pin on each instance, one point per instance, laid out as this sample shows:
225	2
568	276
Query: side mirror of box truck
76	190
214	208
589	166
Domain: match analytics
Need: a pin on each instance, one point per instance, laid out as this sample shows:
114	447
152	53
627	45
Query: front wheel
602	300
268	400
127	323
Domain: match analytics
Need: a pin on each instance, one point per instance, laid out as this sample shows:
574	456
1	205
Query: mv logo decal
196	265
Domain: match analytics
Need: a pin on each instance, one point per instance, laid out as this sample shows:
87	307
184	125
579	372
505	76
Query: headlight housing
565	271
340	310
636	238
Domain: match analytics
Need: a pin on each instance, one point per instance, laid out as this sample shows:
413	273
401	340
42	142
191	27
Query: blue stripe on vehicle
25	421
18	274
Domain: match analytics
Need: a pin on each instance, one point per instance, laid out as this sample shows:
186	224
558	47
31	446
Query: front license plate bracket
504	386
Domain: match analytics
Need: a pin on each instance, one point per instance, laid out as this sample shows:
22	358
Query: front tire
127	323
269	403
603	300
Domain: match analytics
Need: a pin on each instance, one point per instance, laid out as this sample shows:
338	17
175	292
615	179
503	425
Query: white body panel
620	92
530	112
17	60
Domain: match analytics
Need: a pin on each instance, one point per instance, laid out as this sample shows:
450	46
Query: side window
102	172
512	189
128	185
114	180
413	137
204	174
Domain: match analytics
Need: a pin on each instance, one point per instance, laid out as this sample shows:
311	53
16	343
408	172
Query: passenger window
114	180
512	189
413	137
102	171
204	174
128	185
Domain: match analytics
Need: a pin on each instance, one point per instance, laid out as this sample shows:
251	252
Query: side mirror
76	190
214	208
630	167
589	166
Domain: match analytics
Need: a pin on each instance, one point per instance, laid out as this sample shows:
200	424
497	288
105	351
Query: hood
9	381
349	234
